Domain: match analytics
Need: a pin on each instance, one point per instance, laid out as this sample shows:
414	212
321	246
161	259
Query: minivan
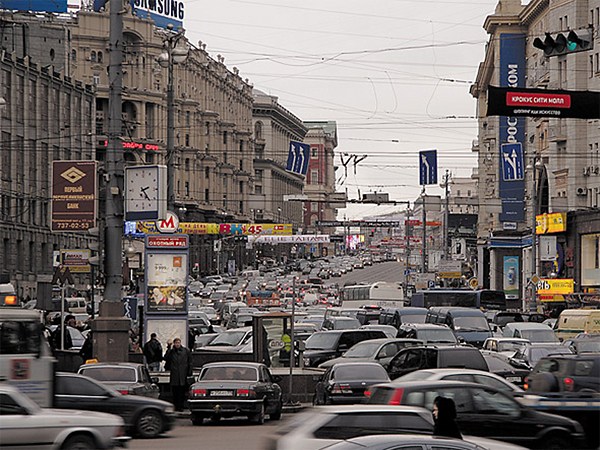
468	324
77	305
399	316
325	345
571	322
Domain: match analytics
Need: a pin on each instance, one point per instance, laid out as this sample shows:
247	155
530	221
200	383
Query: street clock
145	192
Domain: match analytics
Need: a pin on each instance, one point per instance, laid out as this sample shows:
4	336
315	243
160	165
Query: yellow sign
548	286
228	229
550	223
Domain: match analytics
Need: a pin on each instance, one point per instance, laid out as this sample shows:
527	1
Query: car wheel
259	417
149	424
277	414
79	442
555	441
197	420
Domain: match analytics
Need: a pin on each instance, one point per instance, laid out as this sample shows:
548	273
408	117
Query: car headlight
306	361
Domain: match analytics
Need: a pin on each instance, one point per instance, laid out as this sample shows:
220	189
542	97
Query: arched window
258	130
93	56
100	57
74	55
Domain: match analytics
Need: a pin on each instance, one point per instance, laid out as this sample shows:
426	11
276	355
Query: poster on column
511	277
166	282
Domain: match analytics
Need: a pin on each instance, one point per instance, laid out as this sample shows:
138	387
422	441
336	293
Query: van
571	322
250	274
468	324
400	316
536	333
76	305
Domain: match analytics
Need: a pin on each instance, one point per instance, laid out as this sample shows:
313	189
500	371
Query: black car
143	416
487	412
326	345
127	378
345	383
433	357
228	389
566	373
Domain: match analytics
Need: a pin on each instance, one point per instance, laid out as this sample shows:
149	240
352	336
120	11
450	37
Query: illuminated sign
130	145
244	229
550	223
548	286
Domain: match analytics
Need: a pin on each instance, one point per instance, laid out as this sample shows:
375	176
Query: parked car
486	412
326	345
566	373
374	350
326	425
25	425
227	389
428	333
468	324
143	416
126	378
345	382
432	357
536	333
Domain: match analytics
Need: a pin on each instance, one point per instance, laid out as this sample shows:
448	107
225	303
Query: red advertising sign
533	99
166	241
130	145
73	195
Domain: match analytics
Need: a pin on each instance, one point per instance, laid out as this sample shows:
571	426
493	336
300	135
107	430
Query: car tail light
245	393
526	384
341	389
367	393
396	397
198	392
569	384
124	391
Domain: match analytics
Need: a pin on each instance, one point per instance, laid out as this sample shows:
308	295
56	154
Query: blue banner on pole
298	158
52	6
428	167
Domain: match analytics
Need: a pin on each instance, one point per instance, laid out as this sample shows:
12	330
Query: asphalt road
387	271
228	434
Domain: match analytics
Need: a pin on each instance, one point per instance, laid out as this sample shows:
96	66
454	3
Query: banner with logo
555	286
294	239
511	273
550	223
73	195
227	229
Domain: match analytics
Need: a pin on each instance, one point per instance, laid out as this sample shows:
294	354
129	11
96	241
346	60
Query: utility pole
424	255
407	234
111	328
446	214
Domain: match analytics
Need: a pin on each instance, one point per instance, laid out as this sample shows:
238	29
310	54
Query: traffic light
564	44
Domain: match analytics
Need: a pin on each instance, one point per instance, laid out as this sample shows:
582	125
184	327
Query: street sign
512	162
73	195
430	284
428	167
298	157
62	276
169	225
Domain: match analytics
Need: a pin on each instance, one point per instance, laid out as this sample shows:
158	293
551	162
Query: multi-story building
561	155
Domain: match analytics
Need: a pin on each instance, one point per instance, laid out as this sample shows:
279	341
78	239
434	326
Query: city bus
383	294
26	360
484	298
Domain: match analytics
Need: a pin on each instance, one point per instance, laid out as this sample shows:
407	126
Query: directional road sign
298	158
512	162
428	167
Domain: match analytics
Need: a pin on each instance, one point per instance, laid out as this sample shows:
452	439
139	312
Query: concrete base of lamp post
111	333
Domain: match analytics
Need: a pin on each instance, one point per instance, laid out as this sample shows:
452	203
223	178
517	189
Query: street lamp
173	54
534	166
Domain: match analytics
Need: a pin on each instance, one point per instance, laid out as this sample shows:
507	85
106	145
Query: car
326	345
468	324
433	357
566	373
536	333
227	389
389	330
410	442
143	416
399	316
485	411
25	425
126	378
345	382
77	338
499	365
428	333
326	425
528	356
230	340
583	343
340	323
507	346
374	350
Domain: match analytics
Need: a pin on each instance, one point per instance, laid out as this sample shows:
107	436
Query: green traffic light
572	46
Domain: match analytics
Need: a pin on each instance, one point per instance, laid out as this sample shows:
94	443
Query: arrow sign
512	162
428	167
298	157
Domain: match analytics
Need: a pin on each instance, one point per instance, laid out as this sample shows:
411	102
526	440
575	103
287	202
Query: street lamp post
173	54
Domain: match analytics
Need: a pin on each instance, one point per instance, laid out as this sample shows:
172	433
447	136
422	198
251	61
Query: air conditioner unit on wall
581	192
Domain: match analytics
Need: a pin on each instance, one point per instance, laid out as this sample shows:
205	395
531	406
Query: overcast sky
393	74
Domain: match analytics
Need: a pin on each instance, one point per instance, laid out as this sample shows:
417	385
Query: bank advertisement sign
511	277
512	129
52	6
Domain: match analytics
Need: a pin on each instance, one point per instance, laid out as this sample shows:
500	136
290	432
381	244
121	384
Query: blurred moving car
326	345
126	378
566	373
528	356
499	365
326	425
227	389
583	343
25	425
486	412
144	417
345	382
374	350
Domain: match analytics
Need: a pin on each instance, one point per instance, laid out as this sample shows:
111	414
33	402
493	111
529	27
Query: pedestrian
87	349
153	352
57	343
444	417
178	360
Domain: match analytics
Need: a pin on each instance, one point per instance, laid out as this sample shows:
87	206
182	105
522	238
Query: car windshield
322	341
413	318
125	374
349	312
539	335
472	323
237	373
443	335
363	350
355	372
230	338
345	323
511	346
591	346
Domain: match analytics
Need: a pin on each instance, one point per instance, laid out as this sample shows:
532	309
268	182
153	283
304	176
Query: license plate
514	379
221	393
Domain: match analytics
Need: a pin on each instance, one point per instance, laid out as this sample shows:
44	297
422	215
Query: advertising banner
73	195
227	229
294	239
51	6
550	223
512	128
511	277
78	261
555	286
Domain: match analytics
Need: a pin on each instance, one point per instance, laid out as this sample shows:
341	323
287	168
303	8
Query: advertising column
167	272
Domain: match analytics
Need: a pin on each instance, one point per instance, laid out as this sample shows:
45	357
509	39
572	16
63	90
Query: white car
25	425
320	427
408	442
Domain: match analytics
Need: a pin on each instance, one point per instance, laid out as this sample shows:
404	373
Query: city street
228	434
388	271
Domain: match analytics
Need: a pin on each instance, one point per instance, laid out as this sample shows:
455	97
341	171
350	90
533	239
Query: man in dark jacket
154	353
56	338
178	360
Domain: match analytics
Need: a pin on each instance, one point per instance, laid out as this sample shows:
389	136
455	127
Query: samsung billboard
162	12
52	6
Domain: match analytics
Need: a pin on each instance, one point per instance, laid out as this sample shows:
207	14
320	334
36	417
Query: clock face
142	189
